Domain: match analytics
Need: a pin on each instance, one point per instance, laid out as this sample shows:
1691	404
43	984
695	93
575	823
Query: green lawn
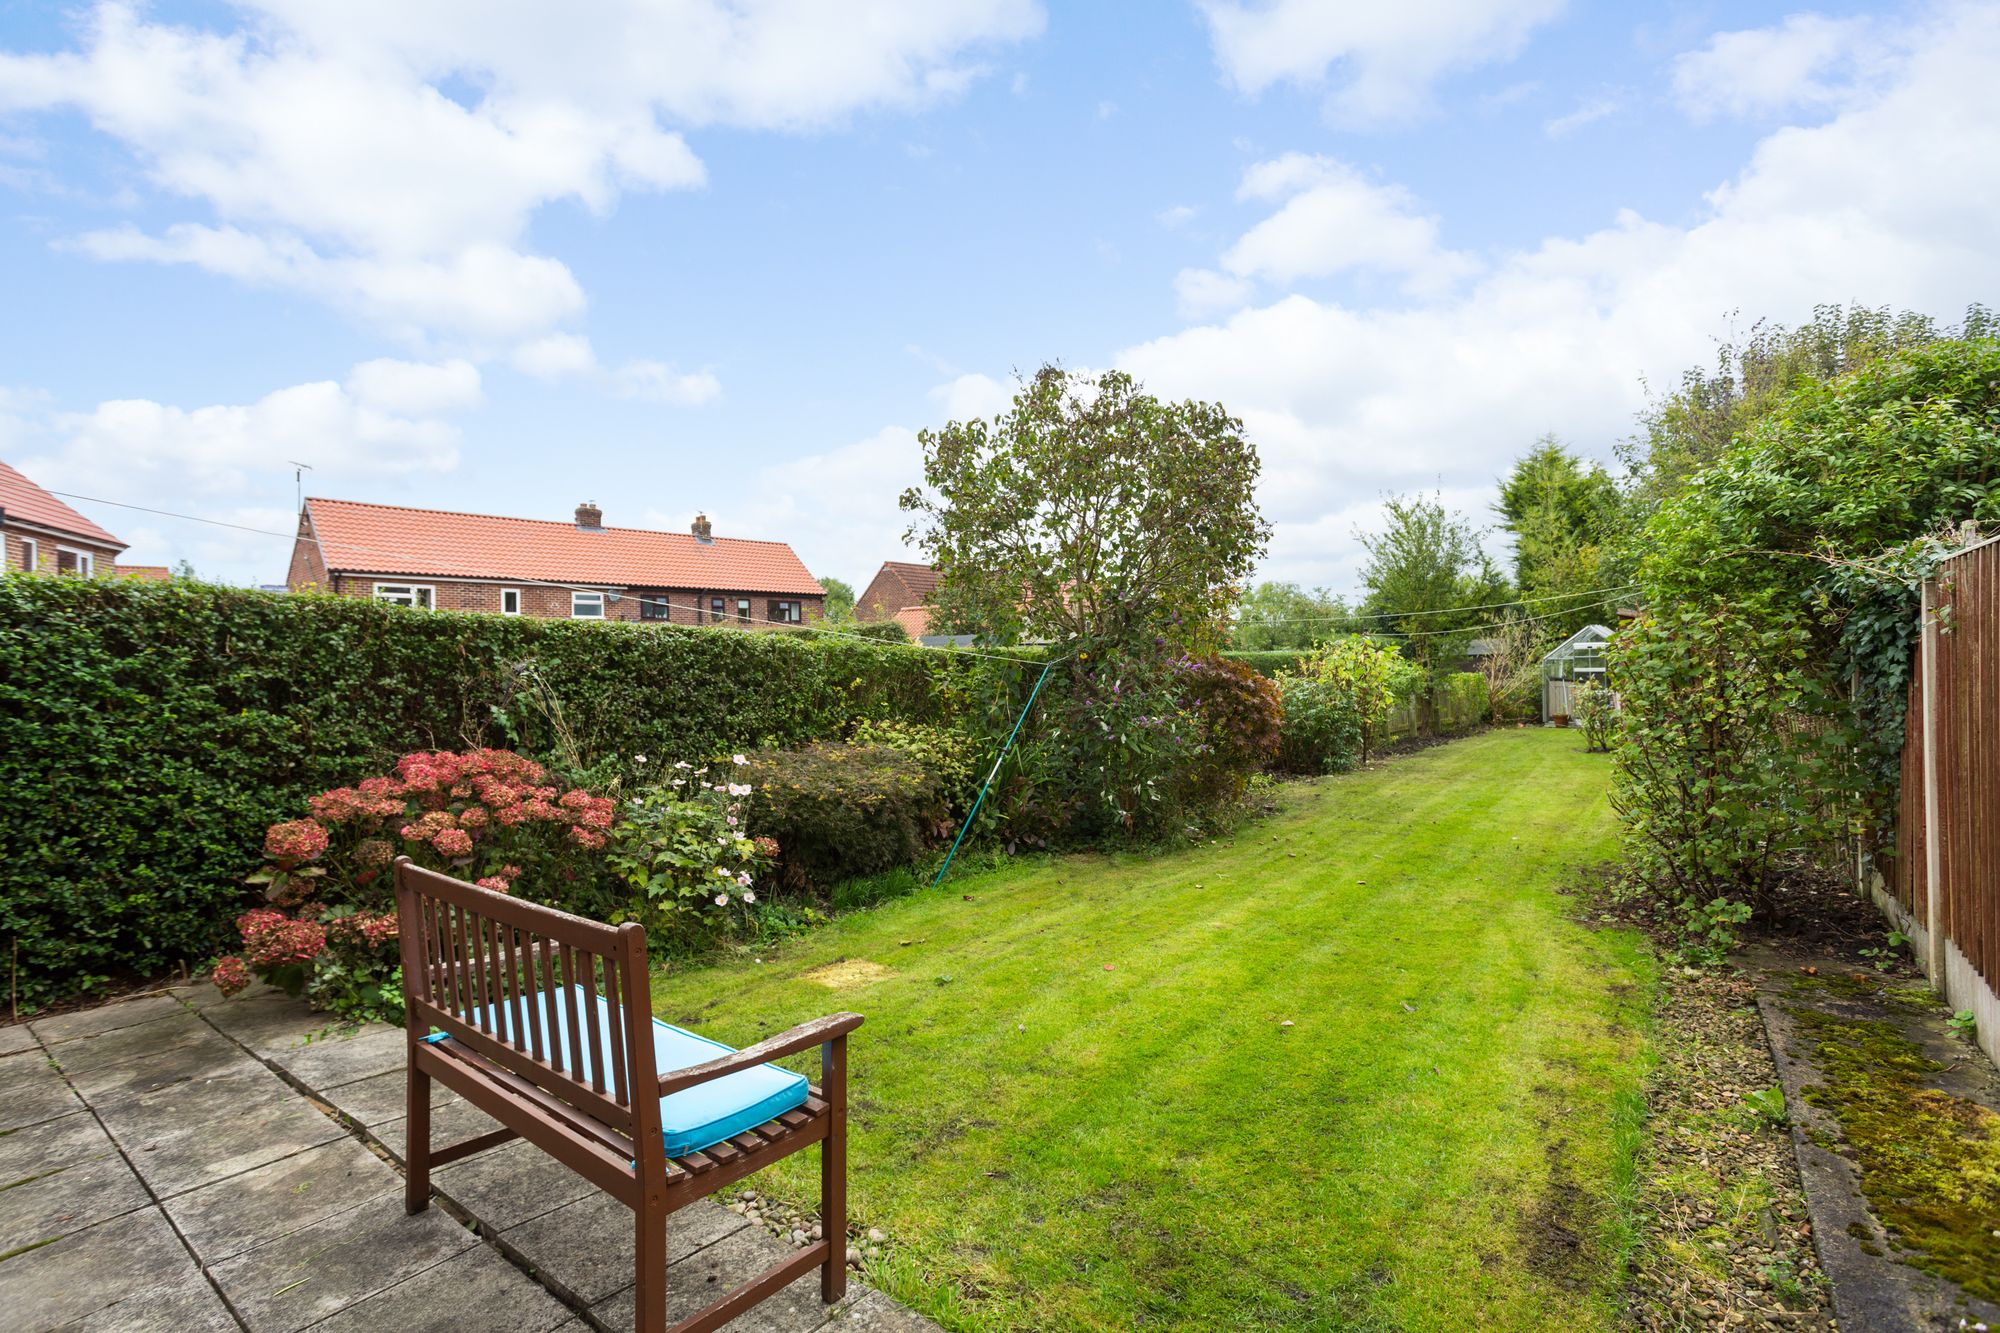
1075	1106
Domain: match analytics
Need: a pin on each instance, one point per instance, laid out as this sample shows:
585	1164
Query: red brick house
579	570
900	591
44	535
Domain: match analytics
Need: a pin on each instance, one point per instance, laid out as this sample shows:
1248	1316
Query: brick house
580	570
44	535
900	591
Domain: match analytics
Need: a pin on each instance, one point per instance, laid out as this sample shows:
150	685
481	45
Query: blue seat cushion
691	1119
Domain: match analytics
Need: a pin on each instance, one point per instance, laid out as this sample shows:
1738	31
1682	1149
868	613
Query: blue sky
694	255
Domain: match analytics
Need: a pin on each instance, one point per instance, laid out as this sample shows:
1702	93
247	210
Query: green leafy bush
1337	706
1272	662
948	753
1724	773
843	811
1460	701
1592	709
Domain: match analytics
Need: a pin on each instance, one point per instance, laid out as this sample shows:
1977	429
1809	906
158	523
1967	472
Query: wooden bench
543	1020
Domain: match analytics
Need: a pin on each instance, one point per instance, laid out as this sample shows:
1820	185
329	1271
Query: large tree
1284	615
1424	568
839	601
1563	514
1089	511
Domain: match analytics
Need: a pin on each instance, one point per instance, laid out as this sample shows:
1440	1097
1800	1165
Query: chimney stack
703	533
589	517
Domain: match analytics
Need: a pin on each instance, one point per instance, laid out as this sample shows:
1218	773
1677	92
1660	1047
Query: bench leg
417	1146
833	1171
650	1299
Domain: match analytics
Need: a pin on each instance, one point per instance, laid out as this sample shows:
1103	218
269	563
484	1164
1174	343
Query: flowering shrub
484	815
684	855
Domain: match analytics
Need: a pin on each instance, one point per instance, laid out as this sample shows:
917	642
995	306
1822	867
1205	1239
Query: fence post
1933	889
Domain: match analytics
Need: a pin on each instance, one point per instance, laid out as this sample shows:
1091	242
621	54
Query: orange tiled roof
391	539
145	573
915	619
921	580
23	500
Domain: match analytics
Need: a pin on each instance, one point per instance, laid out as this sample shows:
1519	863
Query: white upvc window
407	594
510	601
586	606
69	560
31	554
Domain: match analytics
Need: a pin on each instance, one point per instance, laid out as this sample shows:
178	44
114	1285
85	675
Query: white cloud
1890	203
1179	215
233	462
969	396
341	153
658	382
1382	59
555	356
838	508
415	388
1332	220
1200	292
571	356
1587	112
1807	61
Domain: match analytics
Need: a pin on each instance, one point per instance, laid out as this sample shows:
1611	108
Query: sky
696	255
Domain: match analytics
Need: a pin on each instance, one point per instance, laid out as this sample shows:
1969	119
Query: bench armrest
803	1037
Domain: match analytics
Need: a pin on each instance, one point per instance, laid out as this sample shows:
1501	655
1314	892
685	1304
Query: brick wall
45	551
885	595
685	607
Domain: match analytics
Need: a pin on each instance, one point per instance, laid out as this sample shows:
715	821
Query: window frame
717	613
655	607
505	595
86	562
787	611
428	592
578	597
743	610
31	555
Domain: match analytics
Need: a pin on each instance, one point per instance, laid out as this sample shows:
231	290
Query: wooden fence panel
1963	715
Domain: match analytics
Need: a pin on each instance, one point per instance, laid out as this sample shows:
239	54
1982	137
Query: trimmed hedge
1269	662
150	732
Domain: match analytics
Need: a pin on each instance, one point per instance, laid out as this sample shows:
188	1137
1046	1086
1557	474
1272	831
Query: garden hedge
149	732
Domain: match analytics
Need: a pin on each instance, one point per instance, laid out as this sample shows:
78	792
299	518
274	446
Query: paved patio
182	1162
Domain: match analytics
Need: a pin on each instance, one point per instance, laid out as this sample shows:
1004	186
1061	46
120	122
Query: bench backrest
518	983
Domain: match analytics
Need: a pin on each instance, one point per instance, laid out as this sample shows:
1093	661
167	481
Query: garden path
178	1161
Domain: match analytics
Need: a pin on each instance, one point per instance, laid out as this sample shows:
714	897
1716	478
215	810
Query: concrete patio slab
242	1212
33	1090
344	1057
508	1185
67	1199
189	1305
94	1268
319	1270
105	1018
51	1145
15	1038
275	1214
586	1247
380	1098
186	1135
475	1290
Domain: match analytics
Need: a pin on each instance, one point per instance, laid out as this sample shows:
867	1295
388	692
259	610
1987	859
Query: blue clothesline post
991	774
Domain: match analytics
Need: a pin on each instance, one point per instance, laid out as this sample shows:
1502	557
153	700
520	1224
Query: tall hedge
150	732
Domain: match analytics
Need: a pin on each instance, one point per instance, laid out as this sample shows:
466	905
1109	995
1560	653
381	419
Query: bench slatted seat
543	1021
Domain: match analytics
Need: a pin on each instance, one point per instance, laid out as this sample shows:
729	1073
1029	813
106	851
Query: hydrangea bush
491	816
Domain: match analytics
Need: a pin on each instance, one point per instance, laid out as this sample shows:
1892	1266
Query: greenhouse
1577	660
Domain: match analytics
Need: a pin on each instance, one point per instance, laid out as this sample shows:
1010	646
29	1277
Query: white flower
722	900
638	758
681	763
738	759
744	880
750	897
732	821
722	871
